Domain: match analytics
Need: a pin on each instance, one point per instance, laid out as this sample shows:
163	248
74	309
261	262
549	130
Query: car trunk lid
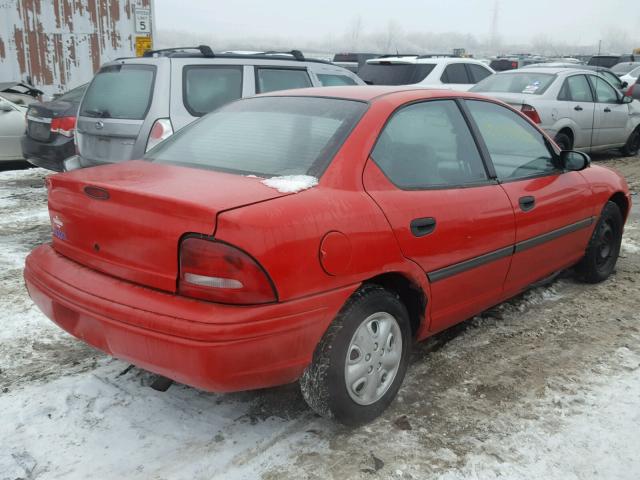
127	219
39	117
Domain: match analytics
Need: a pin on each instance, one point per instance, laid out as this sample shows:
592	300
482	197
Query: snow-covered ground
544	386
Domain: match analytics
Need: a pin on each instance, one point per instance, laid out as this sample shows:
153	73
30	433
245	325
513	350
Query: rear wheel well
569	133
410	294
621	201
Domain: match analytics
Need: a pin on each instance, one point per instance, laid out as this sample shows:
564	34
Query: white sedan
578	108
12	126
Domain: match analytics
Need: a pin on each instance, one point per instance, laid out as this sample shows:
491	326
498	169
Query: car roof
365	93
549	70
433	59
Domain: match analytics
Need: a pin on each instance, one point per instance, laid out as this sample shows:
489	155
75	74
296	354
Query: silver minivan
132	104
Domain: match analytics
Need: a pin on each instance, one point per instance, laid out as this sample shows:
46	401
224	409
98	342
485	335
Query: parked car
634	90
20	93
512	62
48	140
315	234
621	69
578	108
605	73
353	61
631	77
132	104
609	61
456	73
11	129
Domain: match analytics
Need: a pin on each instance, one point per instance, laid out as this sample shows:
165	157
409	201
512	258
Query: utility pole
494	24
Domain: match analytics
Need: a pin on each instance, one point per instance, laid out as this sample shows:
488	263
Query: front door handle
423	226
607	109
527	203
578	108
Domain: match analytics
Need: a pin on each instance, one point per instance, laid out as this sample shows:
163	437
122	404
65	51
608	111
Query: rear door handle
527	203
578	108
607	109
423	226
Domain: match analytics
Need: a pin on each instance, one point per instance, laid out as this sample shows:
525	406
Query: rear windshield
265	136
516	82
74	95
604	61
624	68
394	73
120	91
503	64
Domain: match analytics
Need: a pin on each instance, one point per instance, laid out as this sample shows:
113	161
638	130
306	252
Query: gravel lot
544	386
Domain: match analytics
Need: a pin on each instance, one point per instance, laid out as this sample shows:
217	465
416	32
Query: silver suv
132	104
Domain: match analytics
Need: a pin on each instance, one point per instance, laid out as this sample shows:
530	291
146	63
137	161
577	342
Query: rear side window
120	91
517	149
272	79
394	73
455	73
329	80
576	89
477	72
264	136
427	145
207	87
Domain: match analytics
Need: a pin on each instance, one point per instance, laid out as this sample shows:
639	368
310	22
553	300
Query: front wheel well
568	132
410	294
621	201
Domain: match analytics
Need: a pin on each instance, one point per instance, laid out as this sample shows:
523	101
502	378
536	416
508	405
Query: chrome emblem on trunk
99	125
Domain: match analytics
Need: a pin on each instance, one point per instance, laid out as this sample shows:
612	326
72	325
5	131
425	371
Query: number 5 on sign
143	20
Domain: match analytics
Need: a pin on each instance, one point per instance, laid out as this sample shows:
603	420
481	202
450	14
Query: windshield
516	82
265	136
120	91
387	73
74	95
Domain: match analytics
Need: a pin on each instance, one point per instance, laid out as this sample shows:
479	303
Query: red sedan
312	235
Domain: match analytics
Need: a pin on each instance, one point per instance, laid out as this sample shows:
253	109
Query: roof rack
439	55
391	55
297	54
204	50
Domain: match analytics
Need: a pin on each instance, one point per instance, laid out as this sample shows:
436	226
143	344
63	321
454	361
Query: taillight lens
64	126
161	129
630	91
531	112
218	272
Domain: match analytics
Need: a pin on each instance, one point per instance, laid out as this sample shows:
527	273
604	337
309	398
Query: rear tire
602	252
564	141
632	146
361	361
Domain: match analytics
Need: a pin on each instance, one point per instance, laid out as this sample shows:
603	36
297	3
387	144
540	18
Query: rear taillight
218	272
531	112
64	126
161	129
630	91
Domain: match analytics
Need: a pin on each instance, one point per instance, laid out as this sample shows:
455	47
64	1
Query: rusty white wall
61	43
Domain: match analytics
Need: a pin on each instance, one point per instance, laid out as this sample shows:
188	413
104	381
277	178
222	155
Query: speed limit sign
143	20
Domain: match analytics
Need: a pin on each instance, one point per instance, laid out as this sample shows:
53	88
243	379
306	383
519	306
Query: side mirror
574	161
626	99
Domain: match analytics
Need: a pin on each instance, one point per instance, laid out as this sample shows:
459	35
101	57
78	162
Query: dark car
48	140
609	61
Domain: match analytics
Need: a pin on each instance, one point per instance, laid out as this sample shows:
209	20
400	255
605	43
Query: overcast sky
578	22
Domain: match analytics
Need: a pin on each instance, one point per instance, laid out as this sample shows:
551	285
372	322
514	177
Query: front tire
361	361
602	252
632	146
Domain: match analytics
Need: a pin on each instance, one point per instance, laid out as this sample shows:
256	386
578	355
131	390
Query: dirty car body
187	264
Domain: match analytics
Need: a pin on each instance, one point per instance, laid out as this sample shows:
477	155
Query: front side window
121	91
264	136
207	87
332	80
605	93
517	149
272	79
427	145
455	73
612	79
576	89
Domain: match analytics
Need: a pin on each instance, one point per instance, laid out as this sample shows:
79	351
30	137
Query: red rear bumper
210	346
